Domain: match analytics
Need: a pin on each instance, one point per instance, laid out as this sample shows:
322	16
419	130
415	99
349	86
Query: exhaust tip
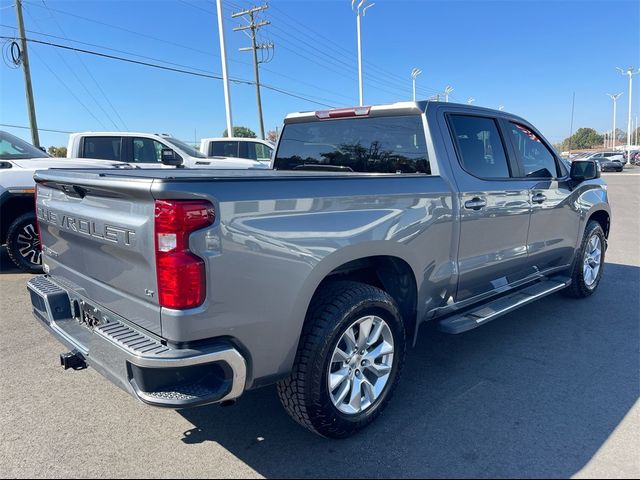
73	360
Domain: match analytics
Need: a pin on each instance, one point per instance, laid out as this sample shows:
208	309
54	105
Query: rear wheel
23	244
589	262
349	360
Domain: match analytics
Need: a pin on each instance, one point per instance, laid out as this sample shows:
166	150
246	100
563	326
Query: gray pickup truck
188	287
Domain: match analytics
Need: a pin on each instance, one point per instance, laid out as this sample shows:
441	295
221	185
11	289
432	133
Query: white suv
18	162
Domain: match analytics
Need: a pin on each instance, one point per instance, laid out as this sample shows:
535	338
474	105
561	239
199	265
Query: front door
495	208
555	223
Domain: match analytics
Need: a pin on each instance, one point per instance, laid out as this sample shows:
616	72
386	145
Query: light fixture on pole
613	135
630	73
414	73
360	10
470	100
447	90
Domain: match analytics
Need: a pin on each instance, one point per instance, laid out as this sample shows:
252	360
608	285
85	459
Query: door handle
538	198
475	203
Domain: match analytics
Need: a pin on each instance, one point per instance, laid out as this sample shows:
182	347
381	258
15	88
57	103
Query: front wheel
348	362
23	244
589	262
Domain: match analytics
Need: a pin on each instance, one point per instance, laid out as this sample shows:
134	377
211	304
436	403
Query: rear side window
479	146
224	149
394	144
104	148
537	160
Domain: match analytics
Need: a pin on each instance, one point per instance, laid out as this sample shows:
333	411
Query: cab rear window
393	144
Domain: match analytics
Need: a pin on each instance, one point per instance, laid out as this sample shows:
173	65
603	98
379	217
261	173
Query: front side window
146	150
479	146
255	151
393	144
103	148
537	160
183	147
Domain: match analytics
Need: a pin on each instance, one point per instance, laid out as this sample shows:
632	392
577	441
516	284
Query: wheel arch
380	264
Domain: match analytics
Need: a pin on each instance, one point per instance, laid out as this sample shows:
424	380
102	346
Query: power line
103	47
385	82
173	69
105	96
77	77
8	125
71	92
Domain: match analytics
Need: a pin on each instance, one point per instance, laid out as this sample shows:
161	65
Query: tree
242	132
59	152
583	138
272	136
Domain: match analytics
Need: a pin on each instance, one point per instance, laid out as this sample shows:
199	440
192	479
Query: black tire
23	244
305	393
579	288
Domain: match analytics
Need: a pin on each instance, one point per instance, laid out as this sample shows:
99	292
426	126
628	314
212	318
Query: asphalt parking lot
548	391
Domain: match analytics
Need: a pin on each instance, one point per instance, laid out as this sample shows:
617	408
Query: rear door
494	206
553	233
98	239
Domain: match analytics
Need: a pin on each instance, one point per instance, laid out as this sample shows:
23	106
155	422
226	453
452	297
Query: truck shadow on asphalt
535	393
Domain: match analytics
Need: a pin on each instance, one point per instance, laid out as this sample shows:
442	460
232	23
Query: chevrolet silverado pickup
188	287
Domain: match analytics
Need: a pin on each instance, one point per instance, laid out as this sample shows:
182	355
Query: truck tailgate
98	240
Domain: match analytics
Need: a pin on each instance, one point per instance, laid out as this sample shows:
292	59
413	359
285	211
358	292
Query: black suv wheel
23	244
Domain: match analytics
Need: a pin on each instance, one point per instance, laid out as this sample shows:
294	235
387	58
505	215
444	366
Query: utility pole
630	73
253	27
414	73
360	12
225	76
35	138
613	135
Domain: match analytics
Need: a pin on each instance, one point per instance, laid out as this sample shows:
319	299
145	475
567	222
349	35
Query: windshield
393	144
188	149
14	148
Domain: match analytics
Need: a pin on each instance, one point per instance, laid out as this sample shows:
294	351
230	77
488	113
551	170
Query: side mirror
169	157
582	170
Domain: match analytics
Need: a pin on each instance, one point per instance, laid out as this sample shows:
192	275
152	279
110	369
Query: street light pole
414	73
447	90
630	73
360	12
613	135
225	77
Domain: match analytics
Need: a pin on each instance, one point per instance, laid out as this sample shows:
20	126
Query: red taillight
181	274
343	112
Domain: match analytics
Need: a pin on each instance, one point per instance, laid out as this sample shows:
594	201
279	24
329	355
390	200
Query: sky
530	56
